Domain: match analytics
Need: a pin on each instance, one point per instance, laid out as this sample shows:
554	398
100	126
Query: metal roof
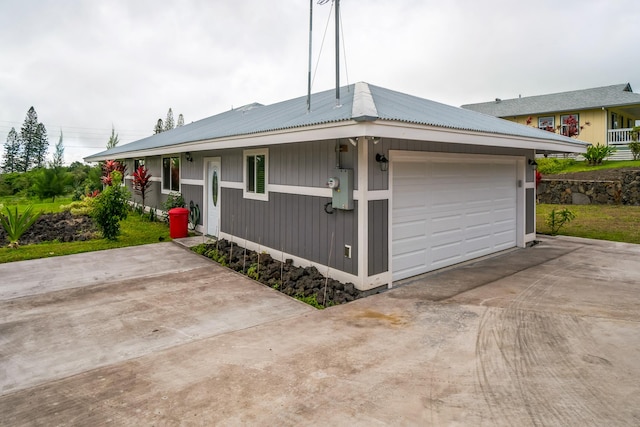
359	102
607	96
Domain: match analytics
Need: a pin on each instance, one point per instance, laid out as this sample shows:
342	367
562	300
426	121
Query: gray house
376	187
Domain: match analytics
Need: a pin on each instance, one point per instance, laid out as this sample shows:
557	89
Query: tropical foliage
141	182
597	153
108	168
15	224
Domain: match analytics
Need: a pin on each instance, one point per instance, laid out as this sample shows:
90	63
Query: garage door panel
409	230
408	264
467	209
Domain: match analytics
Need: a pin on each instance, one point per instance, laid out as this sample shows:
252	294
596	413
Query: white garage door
450	209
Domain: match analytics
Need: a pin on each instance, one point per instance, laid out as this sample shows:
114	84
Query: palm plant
15	224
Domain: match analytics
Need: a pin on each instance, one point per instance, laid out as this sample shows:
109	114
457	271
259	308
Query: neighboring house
420	185
602	115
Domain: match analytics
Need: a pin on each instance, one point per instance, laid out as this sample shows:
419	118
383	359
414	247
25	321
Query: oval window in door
214	187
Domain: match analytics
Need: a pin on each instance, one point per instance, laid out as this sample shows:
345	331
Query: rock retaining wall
581	192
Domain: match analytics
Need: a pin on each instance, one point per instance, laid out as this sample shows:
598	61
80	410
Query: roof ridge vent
364	107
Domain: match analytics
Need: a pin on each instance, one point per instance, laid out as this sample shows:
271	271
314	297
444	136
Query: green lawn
605	222
135	231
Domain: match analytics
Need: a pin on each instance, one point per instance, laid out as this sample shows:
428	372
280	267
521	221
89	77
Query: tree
169	123
11	152
180	121
159	127
58	156
34	142
113	139
41	147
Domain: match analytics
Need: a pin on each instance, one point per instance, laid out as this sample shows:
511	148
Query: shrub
552	165
558	218
84	206
111	206
174	200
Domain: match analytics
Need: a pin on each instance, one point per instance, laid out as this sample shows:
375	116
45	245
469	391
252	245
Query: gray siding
154	165
530	202
379	180
378	236
309	164
193	193
193	169
294	224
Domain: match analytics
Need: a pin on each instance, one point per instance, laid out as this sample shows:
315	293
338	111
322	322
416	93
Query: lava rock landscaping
61	226
306	284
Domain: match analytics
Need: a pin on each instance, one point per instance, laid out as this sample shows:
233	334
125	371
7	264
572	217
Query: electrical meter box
341	185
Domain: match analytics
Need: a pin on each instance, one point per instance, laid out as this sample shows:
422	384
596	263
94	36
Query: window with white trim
170	174
547	123
570	124
137	163
255	174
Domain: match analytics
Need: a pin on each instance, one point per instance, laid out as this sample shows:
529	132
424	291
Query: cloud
86	66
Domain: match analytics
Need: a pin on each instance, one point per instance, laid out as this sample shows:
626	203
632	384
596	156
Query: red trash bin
178	223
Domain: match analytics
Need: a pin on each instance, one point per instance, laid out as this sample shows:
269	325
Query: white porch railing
620	138
617	136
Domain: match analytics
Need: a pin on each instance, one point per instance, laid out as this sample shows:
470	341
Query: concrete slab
57	324
540	343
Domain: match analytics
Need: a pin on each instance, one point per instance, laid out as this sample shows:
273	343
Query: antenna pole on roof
310	53
337	17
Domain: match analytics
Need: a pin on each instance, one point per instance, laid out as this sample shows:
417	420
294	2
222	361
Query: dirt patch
61	226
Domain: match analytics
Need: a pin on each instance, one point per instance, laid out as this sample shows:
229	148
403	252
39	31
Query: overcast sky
87	65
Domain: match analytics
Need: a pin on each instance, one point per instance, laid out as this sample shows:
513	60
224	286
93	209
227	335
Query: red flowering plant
110	166
141	181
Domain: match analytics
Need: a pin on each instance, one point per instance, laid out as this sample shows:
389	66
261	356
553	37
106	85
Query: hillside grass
553	166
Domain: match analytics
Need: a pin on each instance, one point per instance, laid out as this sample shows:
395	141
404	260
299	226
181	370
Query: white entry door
213	196
450	209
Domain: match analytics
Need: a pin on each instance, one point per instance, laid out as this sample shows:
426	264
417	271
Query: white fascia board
400	130
334	130
352	128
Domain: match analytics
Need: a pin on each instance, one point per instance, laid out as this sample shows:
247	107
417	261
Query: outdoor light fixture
188	157
383	161
533	164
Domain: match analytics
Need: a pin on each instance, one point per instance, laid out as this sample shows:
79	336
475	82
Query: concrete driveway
156	335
